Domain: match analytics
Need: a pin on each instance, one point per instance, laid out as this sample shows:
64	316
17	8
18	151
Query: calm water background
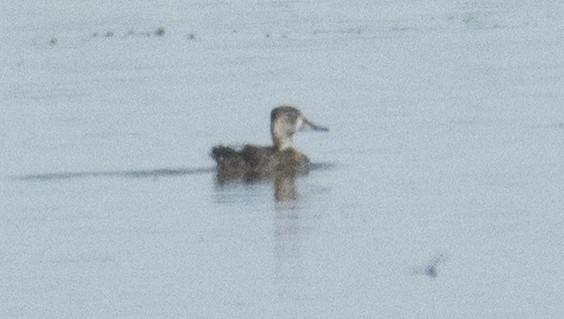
439	191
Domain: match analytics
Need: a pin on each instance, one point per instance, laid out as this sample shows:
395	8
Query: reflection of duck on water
260	162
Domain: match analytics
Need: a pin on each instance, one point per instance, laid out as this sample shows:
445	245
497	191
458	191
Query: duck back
255	162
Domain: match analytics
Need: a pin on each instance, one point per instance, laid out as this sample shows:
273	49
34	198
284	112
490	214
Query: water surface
437	192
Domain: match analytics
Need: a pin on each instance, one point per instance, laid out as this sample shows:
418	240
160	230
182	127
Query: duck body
257	162
252	162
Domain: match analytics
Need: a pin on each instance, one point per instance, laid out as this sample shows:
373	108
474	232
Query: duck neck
282	143
280	138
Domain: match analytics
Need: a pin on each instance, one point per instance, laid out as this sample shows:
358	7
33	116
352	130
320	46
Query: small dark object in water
432	269
160	32
260	162
53	41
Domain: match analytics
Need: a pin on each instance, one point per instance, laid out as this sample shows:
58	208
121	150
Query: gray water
438	191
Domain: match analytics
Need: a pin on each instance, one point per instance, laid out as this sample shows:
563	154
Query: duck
252	162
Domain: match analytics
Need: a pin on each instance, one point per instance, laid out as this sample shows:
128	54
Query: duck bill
315	127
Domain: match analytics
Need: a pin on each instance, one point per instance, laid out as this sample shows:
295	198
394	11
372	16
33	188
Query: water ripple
140	173
136	173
